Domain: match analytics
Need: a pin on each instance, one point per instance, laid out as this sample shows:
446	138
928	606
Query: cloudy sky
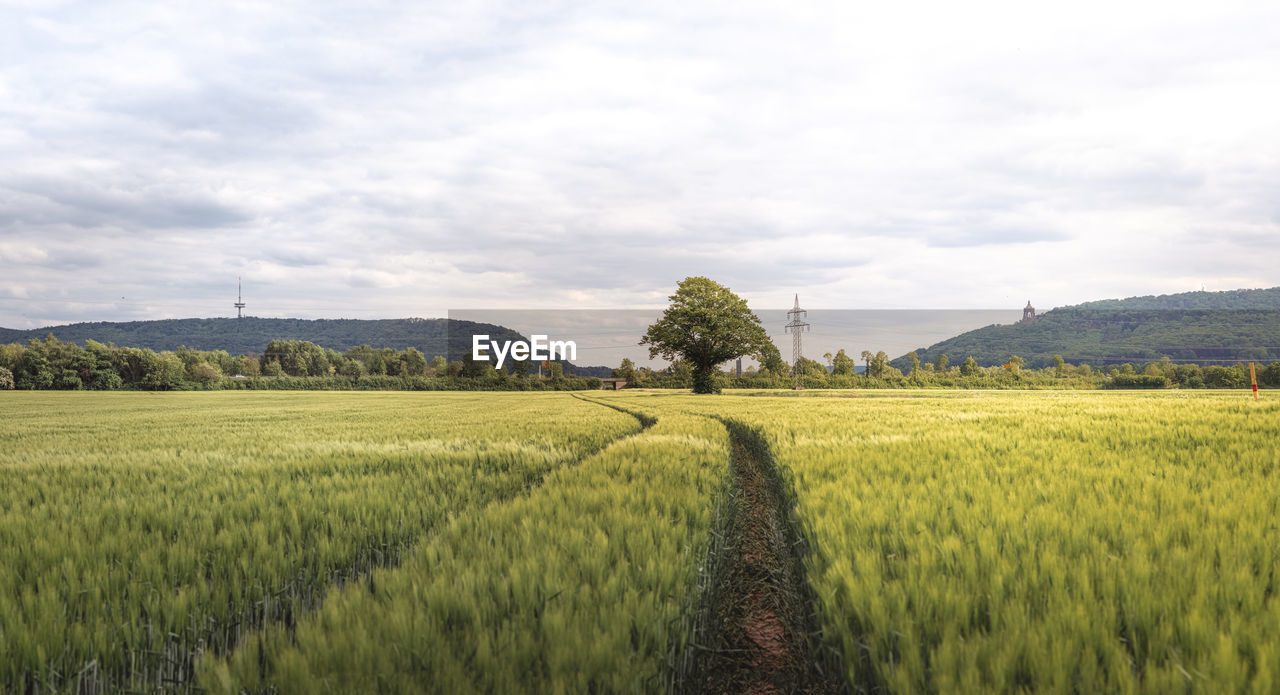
357	160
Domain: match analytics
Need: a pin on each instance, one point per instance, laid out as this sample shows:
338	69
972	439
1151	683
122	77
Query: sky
376	160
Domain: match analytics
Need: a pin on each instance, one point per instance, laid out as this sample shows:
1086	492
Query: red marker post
1253	377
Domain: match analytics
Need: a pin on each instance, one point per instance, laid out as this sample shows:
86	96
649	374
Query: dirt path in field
757	631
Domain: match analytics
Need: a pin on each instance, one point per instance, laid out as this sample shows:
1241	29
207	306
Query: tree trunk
704	380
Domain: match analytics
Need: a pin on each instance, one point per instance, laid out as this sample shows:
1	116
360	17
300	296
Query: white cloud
387	160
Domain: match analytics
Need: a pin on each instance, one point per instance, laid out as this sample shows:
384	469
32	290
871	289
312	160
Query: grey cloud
977	235
134	205
297	260
234	111
74	259
382	157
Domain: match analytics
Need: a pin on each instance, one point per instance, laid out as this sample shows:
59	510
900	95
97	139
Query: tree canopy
706	325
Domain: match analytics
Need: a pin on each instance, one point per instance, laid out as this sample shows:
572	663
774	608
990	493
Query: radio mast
239	300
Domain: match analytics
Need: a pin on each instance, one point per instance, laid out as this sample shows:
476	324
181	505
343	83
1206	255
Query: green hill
448	337
1202	327
1229	300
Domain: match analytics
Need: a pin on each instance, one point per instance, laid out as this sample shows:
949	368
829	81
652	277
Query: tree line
841	371
706	325
448	337
1113	337
285	364
298	364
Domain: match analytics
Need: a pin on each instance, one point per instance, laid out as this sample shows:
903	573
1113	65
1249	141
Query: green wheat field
1003	542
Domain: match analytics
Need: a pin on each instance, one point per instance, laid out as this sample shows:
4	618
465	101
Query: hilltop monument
1028	313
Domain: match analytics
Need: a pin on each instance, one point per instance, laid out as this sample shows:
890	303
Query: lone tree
706	325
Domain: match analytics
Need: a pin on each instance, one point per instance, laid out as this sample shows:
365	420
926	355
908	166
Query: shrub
1219	377
1270	375
205	373
67	379
105	381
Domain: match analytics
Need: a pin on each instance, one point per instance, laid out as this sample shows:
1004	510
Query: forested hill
1203	327
448	337
1266	300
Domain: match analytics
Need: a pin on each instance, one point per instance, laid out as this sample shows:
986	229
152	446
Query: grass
582	586
1037	542
141	529
441	542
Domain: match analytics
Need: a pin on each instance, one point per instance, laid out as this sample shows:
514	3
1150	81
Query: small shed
612	383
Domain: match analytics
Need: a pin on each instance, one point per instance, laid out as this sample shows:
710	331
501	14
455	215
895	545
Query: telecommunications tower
795	326
239	300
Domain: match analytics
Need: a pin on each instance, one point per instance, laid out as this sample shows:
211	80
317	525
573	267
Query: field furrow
912	542
756	627
141	529
1069	542
584	585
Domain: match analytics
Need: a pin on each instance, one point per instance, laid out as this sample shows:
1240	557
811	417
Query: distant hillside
448	337
1204	327
1266	300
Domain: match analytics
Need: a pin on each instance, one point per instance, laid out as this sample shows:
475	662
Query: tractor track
756	631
